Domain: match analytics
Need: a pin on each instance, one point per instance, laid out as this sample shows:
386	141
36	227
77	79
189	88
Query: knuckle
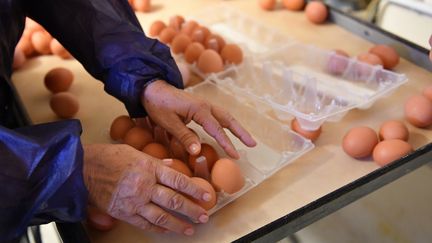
180	182
161	219
176	202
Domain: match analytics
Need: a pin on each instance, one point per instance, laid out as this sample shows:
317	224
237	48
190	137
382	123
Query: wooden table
309	185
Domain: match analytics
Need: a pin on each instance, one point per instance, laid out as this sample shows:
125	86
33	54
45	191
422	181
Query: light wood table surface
314	175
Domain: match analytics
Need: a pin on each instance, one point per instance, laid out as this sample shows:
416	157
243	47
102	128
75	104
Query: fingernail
207	197
167	161
189	231
203	218
194	148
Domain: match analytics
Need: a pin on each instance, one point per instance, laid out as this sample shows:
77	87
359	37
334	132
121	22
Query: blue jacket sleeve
41	176
106	37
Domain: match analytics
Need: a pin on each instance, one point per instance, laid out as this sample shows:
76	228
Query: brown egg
41	41
180	43
231	53
99	220
19	59
200	34
390	150
58	79
138	138
359	142
156	150
64	104
294	5
418	111
193	51
176	22
215	42
388	55
142	5
25	45
167	35
156	27
427	92
120	126
312	135
188	27
210	62
337	62
316	12
370	58
178	165
267	4
393	130
185	73
226	176
208	152
209	188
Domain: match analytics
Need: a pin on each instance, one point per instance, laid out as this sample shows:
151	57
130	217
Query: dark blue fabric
41	176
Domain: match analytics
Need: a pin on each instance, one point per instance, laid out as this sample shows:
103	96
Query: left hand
172	108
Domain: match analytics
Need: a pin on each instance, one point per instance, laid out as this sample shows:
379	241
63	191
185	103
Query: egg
41	41
226	176
120	126
390	150
19	59
142	5
156	150
359	142
337	62
178	165
393	130
193	51
64	104
312	135
231	53
208	152
25	45
188	27
294	5
427	92
99	220
210	62
138	138
370	58
388	55
58	50
58	79
267	4
316	12
180	43
207	187
176	22
167	35
185	73
156	27
215	42
418	111
200	34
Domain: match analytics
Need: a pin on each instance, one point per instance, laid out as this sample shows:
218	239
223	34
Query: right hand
136	188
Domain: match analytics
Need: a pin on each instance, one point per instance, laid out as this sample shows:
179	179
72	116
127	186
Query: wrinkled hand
172	108
136	188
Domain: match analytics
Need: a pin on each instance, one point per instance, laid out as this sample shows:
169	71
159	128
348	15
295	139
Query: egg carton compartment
276	147
311	84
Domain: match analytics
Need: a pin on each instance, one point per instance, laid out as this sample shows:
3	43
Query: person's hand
137	188
172	108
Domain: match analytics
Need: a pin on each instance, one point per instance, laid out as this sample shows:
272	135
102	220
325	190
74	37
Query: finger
161	218
228	121
144	224
180	182
174	201
214	129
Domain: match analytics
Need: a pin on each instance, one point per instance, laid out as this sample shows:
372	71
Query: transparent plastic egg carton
311	84
276	147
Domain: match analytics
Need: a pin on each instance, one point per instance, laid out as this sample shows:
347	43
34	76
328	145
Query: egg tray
309	83
276	147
